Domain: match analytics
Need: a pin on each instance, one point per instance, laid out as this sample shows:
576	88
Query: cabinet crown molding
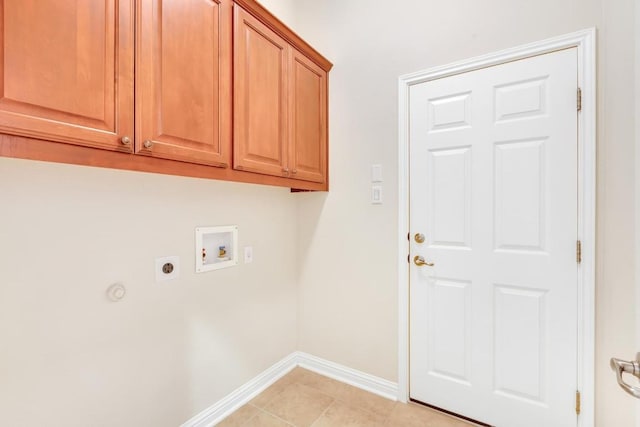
267	18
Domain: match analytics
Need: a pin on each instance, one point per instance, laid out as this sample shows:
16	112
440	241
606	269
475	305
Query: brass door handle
419	261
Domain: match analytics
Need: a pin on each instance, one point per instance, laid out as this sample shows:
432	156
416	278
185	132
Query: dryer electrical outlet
167	268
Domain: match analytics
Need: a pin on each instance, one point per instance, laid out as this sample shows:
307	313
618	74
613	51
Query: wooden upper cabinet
183	80
66	71
260	97
280	105
308	119
188	86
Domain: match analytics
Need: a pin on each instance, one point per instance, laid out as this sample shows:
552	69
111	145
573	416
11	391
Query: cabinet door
260	97
308	119
66	71
183	80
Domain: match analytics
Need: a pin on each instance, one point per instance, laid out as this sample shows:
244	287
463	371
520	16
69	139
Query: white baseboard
350	376
241	396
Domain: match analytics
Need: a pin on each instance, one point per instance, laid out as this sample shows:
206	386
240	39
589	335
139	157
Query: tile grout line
385	417
250	418
281	419
333	401
272	415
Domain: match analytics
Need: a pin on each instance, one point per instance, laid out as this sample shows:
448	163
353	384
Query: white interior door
493	189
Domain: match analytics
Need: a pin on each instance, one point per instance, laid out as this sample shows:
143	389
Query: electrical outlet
167	268
248	254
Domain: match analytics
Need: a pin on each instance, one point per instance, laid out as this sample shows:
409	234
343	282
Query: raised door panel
183	80
308	122
260	97
66	71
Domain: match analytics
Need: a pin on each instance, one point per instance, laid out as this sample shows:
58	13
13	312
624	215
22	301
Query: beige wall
69	357
283	9
348	286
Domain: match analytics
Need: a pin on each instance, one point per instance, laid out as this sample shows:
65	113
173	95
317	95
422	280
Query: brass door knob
125	140
419	238
419	261
148	144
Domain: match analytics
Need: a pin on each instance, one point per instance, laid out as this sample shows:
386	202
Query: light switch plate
376	173
376	194
248	254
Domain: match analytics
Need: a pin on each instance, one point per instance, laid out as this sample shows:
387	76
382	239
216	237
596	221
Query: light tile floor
303	398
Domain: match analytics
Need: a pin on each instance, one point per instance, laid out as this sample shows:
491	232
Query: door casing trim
637	183
585	43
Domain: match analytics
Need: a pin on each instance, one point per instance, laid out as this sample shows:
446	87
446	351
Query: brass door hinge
577	402
578	251
579	99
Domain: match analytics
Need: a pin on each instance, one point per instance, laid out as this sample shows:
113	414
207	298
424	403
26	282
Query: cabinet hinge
409	258
577	402
409	236
579	99
578	251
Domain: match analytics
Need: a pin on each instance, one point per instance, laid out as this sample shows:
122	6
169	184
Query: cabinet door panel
184	70
260	97
308	139
66	71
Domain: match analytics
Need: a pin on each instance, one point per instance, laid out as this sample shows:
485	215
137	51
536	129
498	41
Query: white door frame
584	41
637	183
